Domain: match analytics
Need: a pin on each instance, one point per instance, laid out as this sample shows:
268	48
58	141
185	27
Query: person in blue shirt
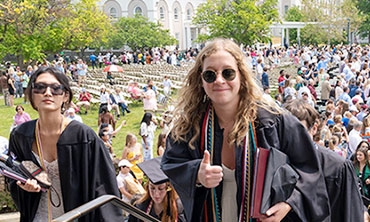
93	61
323	63
265	77
345	97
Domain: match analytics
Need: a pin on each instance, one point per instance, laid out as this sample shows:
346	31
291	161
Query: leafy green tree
26	25
138	32
242	20
313	35
294	14
331	21
363	18
86	26
31	29
332	18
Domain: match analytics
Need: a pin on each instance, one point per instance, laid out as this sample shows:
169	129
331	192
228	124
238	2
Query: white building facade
174	15
177	15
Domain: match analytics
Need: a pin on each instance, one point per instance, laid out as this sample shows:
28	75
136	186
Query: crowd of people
202	167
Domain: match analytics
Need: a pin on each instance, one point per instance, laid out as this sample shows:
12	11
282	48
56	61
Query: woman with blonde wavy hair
219	121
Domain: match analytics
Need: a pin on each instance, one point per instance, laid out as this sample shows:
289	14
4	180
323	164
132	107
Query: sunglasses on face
210	76
40	88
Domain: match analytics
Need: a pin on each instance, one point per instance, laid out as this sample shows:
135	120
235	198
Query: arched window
113	12
161	13
138	11
188	14
176	13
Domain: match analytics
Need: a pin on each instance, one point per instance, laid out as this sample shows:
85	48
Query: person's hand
276	212
367	181
31	185
146	146
123	123
209	176
366	216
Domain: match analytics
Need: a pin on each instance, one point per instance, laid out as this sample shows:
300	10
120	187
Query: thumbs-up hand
209	176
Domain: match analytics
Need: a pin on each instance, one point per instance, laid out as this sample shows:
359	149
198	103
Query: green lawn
133	120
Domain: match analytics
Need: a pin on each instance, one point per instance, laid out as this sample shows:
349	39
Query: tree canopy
331	20
139	32
30	29
364	7
244	21
26	26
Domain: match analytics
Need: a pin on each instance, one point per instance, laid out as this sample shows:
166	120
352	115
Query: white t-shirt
4	145
121	183
354	139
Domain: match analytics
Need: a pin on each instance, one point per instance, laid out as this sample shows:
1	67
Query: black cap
152	170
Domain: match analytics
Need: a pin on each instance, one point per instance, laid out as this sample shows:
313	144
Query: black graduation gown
85	168
283	132
342	186
144	206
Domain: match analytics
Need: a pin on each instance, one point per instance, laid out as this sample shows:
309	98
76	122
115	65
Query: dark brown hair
61	77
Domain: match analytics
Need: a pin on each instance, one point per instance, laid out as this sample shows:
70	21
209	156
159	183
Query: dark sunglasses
211	76
55	89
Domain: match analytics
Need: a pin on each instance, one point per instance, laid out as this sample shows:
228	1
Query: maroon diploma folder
260	165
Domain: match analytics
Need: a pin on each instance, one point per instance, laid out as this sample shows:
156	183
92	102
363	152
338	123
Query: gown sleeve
179	157
87	171
20	148
342	186
286	133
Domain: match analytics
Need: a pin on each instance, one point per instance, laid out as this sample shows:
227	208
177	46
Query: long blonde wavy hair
191	105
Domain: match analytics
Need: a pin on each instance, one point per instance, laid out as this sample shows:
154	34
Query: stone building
174	15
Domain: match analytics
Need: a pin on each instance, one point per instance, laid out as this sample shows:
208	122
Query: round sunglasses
40	88
210	76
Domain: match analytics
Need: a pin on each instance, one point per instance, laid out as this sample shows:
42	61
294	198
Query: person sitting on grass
73	116
104	136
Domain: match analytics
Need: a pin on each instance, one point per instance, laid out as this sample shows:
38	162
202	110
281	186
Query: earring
63	107
205	98
169	188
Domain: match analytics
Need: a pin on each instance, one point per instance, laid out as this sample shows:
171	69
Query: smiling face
360	156
19	110
47	101
221	92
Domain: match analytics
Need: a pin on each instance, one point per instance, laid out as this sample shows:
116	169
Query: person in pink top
21	116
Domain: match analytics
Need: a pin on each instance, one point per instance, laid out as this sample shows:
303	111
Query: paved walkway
9	217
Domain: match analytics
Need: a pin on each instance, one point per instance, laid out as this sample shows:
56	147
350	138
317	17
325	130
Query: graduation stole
207	142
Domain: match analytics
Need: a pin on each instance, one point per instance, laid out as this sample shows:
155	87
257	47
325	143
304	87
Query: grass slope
133	120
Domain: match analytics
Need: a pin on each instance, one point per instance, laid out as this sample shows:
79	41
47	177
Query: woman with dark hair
362	167
21	116
161	144
11	88
72	155
147	128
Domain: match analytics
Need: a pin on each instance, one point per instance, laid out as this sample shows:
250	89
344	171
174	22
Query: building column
287	40
282	36
299	36
190	42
